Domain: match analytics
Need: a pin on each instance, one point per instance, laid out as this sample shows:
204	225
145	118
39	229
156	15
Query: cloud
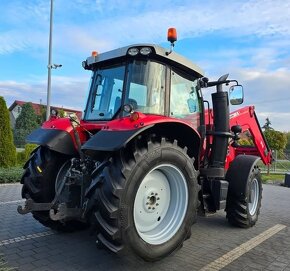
193	19
125	22
69	92
268	92
278	120
259	59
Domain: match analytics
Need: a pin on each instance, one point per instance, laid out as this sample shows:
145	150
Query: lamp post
50	65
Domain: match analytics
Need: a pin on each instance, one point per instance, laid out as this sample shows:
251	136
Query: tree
288	141
7	148
42	117
267	125
61	113
25	124
276	140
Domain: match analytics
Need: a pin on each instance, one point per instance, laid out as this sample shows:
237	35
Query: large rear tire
243	208
38	180
147	199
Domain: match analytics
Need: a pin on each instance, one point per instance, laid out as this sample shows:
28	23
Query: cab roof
173	58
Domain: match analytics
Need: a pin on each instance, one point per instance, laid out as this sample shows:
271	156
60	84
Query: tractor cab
141	78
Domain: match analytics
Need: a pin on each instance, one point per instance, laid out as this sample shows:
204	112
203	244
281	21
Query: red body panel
121	124
127	123
245	117
65	125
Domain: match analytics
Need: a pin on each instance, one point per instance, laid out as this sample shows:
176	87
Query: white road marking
25	237
11	202
242	249
9	184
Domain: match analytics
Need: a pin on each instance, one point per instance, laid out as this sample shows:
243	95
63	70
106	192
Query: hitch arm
30	206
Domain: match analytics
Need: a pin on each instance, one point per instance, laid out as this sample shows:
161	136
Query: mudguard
56	140
112	140
239	172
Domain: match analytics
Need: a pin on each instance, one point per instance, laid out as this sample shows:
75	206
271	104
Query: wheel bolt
152	193
149	208
158	198
153	208
157	204
147	203
156	194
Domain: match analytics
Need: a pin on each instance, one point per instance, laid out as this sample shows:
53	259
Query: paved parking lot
214	245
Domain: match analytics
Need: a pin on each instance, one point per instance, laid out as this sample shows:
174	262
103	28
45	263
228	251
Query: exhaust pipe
221	131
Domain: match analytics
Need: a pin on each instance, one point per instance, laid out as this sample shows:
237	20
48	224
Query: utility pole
49	66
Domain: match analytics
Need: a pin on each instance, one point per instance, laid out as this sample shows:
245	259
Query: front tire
147	200
243	211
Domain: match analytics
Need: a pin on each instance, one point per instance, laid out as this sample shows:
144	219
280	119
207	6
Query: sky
250	40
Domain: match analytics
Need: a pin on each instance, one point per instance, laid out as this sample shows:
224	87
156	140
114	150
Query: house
15	110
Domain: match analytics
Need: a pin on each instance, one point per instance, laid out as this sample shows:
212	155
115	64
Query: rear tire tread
109	226
39	186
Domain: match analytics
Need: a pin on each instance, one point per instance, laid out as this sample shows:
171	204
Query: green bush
7	148
25	124
23	156
10	175
28	149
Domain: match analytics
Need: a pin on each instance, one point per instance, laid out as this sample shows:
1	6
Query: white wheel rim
253	196
160	204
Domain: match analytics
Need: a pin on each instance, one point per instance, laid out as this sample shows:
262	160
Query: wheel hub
152	201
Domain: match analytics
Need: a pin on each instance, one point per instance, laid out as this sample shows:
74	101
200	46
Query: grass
279	166
273	177
11	175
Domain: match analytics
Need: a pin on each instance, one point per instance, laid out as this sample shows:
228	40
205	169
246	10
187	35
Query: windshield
146	87
105	93
145	90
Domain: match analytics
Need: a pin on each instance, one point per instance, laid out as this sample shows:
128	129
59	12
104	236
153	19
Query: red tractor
147	155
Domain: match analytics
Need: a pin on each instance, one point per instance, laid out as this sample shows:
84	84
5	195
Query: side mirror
236	95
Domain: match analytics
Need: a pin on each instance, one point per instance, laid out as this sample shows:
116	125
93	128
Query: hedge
10	175
23	156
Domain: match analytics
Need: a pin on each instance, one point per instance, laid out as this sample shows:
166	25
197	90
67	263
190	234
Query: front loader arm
247	119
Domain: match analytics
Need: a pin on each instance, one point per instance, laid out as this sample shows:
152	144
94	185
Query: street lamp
50	66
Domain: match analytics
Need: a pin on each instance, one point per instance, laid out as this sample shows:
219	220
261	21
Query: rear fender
56	134
55	139
113	140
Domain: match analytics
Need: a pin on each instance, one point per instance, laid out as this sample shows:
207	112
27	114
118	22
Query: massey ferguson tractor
148	154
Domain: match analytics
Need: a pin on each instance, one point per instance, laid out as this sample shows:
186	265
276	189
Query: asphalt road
214	244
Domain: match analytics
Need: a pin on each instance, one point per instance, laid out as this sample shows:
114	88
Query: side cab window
184	100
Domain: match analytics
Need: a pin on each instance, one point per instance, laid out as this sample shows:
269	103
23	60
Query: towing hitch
59	212
30	206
